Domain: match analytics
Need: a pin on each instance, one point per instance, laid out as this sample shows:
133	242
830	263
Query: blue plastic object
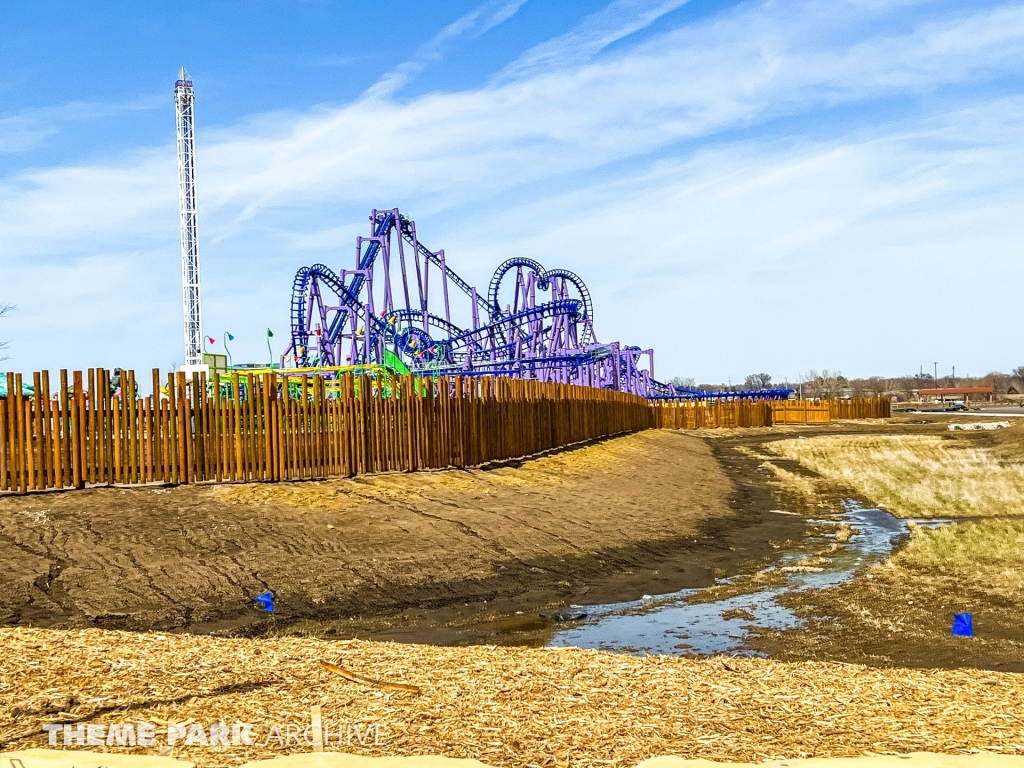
962	625
265	601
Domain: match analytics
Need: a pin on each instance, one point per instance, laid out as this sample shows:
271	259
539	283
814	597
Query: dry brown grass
558	468
509	707
988	556
791	481
914	475
983	558
966	545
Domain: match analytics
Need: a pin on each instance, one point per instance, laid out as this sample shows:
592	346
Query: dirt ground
389	555
465	557
902	618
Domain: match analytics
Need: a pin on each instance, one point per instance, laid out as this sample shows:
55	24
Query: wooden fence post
372	422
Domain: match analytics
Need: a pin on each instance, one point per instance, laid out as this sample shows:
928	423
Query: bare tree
680	381
1017	379
827	384
5	309
808	387
907	386
999	382
874	386
758	381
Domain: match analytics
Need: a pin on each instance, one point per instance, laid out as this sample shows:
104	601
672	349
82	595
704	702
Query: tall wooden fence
705	414
270	427
697	414
860	408
246	427
801	412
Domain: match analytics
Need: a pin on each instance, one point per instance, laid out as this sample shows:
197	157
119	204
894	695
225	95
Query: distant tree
999	382
5	309
827	384
681	381
758	381
911	385
1015	381
876	386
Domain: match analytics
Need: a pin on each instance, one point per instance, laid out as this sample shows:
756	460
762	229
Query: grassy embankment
899	611
925	476
915	475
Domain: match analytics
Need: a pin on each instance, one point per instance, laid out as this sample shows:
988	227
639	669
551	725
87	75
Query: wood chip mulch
504	706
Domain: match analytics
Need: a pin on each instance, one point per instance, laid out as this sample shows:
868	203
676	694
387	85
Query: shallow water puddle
670	624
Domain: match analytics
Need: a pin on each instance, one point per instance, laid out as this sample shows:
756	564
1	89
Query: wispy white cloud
762	253
476	22
31	128
104	309
331	61
689	84
592	35
56	212
20	133
581	153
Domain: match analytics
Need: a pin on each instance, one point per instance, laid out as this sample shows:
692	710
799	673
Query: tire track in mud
192	557
472	532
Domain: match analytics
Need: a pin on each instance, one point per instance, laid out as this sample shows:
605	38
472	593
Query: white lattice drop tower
184	103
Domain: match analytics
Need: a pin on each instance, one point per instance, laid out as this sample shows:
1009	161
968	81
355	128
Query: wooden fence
861	408
705	414
270	427
697	414
801	412
247	427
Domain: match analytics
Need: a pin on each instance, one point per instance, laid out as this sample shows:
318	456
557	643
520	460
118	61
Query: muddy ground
404	556
899	618
896	614
460	557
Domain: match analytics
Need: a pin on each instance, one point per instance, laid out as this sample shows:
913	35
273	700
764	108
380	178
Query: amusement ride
532	322
401	309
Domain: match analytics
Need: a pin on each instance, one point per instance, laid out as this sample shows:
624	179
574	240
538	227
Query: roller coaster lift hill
533	323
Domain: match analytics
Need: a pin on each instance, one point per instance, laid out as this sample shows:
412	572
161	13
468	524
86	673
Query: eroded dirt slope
626	513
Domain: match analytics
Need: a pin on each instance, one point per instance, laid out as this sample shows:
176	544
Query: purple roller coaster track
533	323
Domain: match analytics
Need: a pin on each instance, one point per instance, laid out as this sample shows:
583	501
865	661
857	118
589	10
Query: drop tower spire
184	102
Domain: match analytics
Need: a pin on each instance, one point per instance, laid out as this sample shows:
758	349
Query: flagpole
228	336
206	339
270	335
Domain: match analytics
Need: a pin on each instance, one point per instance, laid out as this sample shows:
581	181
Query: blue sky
745	186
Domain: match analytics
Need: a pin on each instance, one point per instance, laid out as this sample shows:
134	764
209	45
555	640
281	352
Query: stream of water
670	624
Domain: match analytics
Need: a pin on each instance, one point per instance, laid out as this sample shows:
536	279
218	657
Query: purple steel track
533	323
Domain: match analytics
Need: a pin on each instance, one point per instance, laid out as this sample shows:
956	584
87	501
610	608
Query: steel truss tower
184	103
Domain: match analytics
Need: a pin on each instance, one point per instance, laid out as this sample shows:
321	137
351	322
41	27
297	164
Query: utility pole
183	103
